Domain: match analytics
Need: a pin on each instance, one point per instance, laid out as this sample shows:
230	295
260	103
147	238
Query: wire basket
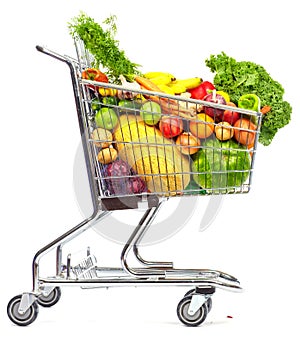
146	142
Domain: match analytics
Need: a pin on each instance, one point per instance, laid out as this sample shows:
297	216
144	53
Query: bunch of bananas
168	83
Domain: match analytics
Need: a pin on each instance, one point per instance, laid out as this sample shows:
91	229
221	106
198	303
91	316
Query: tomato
230	116
201	91
170	126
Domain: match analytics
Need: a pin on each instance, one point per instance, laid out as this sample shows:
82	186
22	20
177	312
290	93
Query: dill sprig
103	46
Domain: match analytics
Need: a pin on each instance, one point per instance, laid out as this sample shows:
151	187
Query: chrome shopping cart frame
46	291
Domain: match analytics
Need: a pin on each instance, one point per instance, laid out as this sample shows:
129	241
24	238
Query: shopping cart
131	164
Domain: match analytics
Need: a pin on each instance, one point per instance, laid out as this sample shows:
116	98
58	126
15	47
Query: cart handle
53	54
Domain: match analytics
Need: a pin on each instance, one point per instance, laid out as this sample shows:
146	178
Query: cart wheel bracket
26	301
46	291
205	290
196	302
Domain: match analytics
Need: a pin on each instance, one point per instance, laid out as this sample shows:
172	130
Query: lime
106	118
150	112
110	100
95	104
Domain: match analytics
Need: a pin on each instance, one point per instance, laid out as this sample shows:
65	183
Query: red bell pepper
94	74
202	90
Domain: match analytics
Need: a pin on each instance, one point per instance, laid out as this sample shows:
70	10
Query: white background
254	236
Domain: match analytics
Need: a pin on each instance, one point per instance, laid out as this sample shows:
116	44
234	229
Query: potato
103	135
107	155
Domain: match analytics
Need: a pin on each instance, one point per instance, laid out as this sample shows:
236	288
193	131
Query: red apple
170	126
230	116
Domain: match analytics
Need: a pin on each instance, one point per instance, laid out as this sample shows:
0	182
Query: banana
166	89
177	87
190	83
161	80
151	75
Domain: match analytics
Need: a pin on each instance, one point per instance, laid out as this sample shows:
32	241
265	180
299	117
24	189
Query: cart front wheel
21	319
188	319
51	299
208	302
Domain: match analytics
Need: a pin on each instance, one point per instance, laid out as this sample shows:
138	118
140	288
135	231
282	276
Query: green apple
150	112
106	118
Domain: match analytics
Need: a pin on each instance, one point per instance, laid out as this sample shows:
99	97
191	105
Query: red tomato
201	91
170	126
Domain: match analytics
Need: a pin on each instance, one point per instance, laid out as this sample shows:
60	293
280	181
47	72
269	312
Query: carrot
250	149
147	84
167	105
265	109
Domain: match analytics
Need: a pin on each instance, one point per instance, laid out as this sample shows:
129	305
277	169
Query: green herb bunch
103	46
238	78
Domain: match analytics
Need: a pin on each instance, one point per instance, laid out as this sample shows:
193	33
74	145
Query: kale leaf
238	78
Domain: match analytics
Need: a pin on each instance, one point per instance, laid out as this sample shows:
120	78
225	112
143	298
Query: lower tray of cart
98	277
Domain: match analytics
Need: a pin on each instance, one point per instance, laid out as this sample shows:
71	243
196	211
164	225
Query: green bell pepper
249	101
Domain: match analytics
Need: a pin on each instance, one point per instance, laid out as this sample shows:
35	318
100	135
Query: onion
244	131
188	144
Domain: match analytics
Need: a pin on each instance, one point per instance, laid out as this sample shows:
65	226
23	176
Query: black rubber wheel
190	292
187	319
21	319
208	302
51	299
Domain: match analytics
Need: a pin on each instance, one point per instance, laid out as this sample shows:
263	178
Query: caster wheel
51	299
190	292
208	302
21	319
187	319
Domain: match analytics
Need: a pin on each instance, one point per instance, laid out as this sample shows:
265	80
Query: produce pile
157	133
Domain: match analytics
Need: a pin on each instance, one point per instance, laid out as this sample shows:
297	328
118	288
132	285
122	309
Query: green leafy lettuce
238	78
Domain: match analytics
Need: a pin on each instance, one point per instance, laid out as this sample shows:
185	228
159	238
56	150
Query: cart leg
58	259
153	268
138	240
58	244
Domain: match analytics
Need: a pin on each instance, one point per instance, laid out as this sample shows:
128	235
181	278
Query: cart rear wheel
188	319
21	319
51	299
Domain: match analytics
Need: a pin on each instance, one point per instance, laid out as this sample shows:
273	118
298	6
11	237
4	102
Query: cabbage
120	179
